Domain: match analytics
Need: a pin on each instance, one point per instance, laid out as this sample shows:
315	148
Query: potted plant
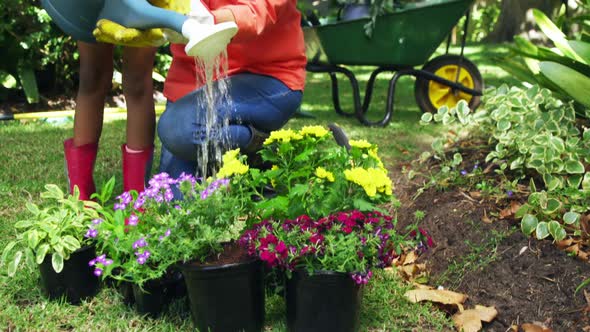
309	234
55	238
135	244
224	284
327	261
313	175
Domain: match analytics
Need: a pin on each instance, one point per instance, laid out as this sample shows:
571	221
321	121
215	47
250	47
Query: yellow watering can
203	37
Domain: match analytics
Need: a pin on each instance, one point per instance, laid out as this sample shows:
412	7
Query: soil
232	253
526	280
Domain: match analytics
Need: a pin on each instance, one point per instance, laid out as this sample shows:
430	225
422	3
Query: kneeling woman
265	80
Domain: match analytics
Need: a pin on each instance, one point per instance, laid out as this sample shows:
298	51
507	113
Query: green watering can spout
78	19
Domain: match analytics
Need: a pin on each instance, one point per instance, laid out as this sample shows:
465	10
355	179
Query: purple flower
177	207
125	198
97	221
166	234
140	243
509	193
97	272
168	195
91	233
119	206
476	166
463	172
362	278
142	257
139	203
133	219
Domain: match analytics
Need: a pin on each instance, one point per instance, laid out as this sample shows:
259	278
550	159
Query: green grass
31	155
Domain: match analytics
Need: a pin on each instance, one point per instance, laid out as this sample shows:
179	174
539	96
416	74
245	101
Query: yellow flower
231	165
361	144
372	180
373	154
317	131
282	136
321	173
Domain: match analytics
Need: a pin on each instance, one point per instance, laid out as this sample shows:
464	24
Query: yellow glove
110	32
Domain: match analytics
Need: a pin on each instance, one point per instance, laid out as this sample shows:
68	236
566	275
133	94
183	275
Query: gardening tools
205	38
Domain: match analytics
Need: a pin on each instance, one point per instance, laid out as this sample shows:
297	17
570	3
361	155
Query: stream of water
211	77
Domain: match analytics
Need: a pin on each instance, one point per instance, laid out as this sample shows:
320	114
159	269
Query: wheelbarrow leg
332	70
390	95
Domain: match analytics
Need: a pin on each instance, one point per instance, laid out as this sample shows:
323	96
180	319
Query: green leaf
581	48
571	217
23	224
14	263
70	243
556	35
552	182
574	181
6	251
552	206
503	125
363	205
586	181
571	81
542	230
34	209
42	252
457	159
426	117
7	81
33	238
574	167
57	261
529	224
28	81
556	230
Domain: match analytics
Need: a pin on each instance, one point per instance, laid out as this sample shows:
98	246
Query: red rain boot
136	168
80	166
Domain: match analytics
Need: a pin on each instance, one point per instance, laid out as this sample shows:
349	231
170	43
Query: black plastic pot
324	301
226	298
76	281
155	296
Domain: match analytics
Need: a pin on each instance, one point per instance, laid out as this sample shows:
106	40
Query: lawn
31	155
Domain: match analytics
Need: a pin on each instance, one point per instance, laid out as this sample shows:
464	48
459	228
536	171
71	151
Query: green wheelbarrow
401	41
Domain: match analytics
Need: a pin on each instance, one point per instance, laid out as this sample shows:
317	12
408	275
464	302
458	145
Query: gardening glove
110	32
196	9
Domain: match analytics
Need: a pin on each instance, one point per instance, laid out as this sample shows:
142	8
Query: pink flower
316	238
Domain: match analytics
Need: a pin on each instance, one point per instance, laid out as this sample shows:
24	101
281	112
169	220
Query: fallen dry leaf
475	194
410	258
470	320
436	295
564	243
510	211
538	327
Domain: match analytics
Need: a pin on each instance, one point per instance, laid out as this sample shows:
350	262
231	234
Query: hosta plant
55	228
528	129
352	242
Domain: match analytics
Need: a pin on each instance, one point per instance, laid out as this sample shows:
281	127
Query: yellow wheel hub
440	94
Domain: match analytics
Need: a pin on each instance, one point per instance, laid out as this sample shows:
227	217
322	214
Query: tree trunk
512	20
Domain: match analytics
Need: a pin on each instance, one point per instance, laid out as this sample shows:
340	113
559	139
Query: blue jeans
262	102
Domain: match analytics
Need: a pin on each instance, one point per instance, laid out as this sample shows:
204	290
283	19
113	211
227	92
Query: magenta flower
97	272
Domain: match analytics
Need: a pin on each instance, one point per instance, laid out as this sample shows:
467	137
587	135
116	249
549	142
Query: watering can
79	18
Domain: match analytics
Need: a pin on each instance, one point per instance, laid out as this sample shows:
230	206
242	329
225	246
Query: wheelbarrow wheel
431	95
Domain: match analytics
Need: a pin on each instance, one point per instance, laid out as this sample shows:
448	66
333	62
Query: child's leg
138	88
141	118
96	74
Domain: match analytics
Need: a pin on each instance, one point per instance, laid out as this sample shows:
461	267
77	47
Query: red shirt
269	41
